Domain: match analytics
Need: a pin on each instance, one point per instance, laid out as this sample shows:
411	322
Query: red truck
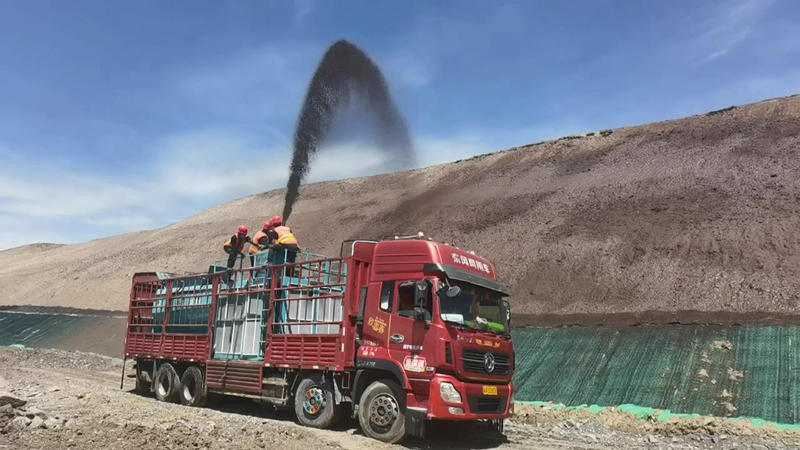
396	332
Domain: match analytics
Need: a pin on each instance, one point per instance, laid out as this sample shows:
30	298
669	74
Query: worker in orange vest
264	237
235	245
285	244
262	240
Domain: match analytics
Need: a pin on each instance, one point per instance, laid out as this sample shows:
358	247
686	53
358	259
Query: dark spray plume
345	75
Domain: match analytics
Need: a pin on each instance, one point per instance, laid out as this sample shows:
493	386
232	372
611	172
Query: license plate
490	390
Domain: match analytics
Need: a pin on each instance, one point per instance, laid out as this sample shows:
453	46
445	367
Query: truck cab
435	319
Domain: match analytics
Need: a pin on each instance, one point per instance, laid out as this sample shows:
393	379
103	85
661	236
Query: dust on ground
78	394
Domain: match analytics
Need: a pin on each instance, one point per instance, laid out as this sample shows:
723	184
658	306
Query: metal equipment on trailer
397	332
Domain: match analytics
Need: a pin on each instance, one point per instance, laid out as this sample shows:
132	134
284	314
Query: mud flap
415	422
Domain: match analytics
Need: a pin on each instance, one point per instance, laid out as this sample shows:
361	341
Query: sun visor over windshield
466	277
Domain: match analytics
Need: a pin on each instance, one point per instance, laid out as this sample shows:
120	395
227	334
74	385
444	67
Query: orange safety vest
239	242
285	235
257	239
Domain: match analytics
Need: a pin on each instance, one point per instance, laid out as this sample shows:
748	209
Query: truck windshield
474	307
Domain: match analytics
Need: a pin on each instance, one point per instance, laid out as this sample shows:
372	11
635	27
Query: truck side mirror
422	291
453	292
507	307
422	294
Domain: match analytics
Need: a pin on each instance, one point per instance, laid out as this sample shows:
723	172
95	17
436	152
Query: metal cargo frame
171	318
304	314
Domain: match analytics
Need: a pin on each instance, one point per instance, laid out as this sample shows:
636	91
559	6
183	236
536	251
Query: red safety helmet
267	225
243	229
277	221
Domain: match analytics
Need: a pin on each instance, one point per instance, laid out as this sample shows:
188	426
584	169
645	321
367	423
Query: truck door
377	312
409	342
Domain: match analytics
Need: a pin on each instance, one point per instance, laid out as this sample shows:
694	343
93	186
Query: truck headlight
449	393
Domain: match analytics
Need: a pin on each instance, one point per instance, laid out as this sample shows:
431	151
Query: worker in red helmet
262	240
235	245
284	244
264	237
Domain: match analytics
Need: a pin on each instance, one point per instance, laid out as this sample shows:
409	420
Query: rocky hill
693	214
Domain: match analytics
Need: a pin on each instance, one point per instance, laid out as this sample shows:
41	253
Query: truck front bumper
477	403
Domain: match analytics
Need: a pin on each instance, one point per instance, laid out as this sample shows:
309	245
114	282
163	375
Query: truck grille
487	405
473	362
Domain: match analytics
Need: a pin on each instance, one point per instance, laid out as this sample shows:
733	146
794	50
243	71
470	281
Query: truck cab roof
413	257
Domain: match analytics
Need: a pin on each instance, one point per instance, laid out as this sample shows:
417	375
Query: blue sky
116	117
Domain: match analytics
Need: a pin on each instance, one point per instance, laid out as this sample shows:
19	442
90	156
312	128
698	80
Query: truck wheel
314	403
381	412
193	388
167	384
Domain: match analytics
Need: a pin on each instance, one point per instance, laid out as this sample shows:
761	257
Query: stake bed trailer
400	331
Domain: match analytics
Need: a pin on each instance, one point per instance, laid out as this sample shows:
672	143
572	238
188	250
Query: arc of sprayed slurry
344	70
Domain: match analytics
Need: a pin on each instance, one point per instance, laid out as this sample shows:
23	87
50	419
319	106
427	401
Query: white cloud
410	70
216	163
302	8
732	23
192	171
57	193
347	161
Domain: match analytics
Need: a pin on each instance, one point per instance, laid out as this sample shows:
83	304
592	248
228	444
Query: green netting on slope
750	371
36	330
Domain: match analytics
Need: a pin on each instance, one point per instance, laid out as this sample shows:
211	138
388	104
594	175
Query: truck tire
381	412
193	388
167	384
314	403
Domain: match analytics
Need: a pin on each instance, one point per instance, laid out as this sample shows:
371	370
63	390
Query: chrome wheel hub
383	410
188	390
314	401
162	387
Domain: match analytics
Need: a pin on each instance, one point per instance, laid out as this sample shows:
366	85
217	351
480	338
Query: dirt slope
692	214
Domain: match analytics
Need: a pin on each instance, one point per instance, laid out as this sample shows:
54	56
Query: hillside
693	214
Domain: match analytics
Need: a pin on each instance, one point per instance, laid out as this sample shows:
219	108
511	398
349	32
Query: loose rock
36	423
6	411
32	412
18	424
7	398
52	424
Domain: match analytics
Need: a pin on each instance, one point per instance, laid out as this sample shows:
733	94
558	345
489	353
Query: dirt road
79	395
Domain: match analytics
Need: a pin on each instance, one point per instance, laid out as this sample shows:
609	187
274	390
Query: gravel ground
79	394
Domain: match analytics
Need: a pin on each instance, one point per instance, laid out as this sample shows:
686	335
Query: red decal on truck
415	363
